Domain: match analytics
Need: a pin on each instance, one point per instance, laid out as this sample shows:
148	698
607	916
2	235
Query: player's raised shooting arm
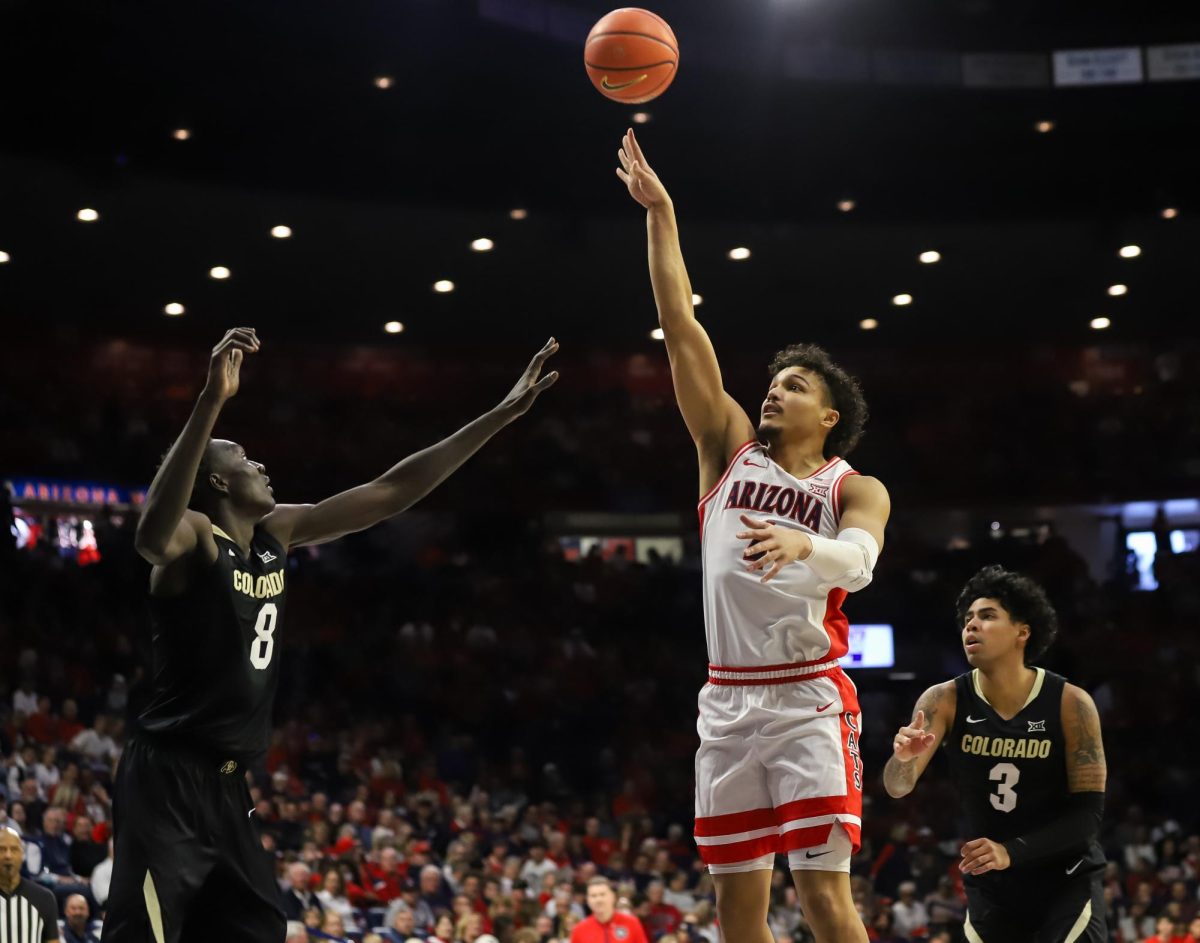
167	530
914	745
410	480
1087	774
717	424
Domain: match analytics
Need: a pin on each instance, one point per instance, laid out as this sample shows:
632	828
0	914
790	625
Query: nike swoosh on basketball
809	854
620	85
825	708
975	720
1075	867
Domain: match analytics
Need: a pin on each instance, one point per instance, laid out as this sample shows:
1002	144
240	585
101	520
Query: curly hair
843	391
1024	600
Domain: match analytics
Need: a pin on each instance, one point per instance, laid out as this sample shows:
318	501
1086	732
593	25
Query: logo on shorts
229	766
1037	726
621	933
825	708
809	854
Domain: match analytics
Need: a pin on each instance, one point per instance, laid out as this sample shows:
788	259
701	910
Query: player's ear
218	484
830	419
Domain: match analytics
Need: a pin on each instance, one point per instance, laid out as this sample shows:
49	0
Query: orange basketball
631	55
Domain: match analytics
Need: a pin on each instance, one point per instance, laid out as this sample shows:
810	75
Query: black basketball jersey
216	651
1011	777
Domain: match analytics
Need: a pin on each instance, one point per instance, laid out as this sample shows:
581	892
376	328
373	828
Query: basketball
631	55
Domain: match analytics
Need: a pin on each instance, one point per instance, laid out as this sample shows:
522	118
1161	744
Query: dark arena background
986	209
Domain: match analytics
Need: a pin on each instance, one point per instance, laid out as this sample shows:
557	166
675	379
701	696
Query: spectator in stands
297	932
76	926
663	918
443	930
24	701
884	930
1169	931
946	910
86	854
434	895
332	894
69	726
403	927
909	913
95	744
46	770
299	896
537	866
332	926
55	847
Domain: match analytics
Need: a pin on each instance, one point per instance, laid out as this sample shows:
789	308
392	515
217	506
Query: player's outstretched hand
773	546
912	741
225	367
643	183
983	855
532	383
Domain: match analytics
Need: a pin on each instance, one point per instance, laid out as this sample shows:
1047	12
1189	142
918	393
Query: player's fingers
773	572
751	522
637	148
546	382
623	158
623	175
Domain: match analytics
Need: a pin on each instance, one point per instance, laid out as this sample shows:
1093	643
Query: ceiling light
656	334
443	286
1099	324
87	215
518	213
393	327
846	205
902	300
1129	252
739	254
219	272
930	256
181	134
697	300
868	324
1169	212
1044	127
482	245
641	117
4	257
281	232
383	81
174	309
1118	290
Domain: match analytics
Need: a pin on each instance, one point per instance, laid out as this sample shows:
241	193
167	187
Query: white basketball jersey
788	619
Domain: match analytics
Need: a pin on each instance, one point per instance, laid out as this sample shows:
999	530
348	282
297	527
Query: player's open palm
532	383
643	183
225	366
913	740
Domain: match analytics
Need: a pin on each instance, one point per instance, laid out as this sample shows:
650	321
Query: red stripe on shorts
739	851
735	822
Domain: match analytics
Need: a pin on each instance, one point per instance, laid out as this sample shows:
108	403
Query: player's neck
239	529
1007	686
800	458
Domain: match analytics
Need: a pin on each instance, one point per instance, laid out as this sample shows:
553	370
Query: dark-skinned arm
167	530
407	482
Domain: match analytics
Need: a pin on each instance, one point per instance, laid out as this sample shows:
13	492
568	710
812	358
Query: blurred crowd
471	726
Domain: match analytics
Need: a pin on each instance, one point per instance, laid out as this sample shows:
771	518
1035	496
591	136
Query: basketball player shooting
1027	758
788	528
188	863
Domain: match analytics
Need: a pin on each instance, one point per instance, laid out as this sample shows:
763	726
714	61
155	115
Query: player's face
601	900
247	480
989	633
797	401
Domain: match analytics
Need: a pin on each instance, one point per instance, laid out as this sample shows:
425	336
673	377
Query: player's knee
823	905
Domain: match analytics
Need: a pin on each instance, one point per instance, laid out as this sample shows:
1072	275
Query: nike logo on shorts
809	854
825	708
975	720
1074	867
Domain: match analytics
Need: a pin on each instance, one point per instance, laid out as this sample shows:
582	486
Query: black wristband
1075	828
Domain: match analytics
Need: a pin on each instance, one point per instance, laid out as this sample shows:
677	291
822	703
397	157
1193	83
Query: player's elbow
150	549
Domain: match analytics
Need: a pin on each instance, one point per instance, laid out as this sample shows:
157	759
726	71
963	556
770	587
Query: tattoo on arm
1086	768
900	778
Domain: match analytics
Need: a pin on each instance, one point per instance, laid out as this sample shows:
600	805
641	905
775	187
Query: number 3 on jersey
1004	799
263	645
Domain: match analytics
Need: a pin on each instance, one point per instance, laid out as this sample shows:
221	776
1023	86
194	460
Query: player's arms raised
718	425
167	530
915	744
408	482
